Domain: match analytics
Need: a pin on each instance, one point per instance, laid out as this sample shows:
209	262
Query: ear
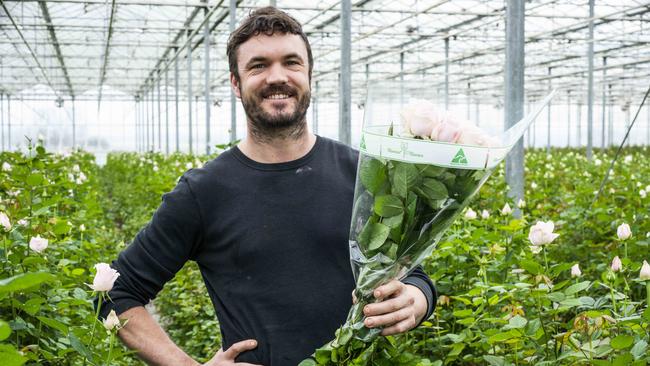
234	84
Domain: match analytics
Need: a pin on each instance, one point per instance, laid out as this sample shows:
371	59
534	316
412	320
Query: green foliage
500	303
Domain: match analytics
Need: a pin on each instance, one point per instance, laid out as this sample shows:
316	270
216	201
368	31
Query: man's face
273	82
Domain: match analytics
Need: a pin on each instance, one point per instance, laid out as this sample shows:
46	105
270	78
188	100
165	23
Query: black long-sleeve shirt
271	241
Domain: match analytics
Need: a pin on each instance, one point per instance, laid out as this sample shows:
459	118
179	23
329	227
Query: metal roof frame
78	47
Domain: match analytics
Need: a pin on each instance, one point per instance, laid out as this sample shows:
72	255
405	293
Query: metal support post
628	122
208	101
345	80
153	119
143	122
135	116
176	101
159	116
401	78
167	111
74	126
568	115
514	93
548	115
233	98
196	122
611	116
146	121
2	120
469	100
534	129
602	136
590	82
530	130
447	73
8	122
189	92
579	122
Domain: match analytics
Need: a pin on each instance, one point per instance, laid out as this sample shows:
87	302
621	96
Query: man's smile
278	96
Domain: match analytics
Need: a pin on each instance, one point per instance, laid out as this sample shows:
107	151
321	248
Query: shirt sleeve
158	251
418	278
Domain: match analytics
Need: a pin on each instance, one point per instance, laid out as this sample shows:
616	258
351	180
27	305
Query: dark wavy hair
268	21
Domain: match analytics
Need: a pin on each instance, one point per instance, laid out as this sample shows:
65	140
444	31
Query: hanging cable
620	147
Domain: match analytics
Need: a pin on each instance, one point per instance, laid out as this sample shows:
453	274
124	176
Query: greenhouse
190	182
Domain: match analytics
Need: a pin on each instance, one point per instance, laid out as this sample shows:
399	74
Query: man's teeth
278	96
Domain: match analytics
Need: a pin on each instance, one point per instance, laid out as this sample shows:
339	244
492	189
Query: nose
276	74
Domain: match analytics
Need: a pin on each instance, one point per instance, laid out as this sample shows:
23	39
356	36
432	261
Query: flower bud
623	231
575	270
4	221
616	264
444	300
111	321
6	167
644	274
521	203
485	214
506	210
470	214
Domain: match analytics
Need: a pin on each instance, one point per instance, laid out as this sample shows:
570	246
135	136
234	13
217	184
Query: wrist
420	303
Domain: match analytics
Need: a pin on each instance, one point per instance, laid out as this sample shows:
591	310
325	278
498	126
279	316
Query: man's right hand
223	358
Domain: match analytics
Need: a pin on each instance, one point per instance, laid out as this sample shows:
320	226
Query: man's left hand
400	308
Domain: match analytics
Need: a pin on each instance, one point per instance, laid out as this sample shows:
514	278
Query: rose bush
498	302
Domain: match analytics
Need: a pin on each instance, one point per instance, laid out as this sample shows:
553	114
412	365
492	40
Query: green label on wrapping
459	158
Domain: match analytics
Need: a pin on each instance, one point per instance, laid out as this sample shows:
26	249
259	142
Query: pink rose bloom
542	233
104	278
38	244
419	118
472	135
446	132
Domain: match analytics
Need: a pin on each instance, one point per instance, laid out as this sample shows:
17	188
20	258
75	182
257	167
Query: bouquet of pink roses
411	185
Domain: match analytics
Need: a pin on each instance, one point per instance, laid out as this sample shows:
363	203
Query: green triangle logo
363	142
459	158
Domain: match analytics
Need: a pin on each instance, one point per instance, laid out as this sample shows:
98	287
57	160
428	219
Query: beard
265	126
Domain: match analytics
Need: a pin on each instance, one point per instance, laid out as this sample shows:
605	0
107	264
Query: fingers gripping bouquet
413	181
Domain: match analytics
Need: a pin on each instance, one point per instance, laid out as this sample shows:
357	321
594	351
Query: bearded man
267	222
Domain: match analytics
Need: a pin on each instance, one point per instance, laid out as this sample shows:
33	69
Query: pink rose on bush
38	244
104	278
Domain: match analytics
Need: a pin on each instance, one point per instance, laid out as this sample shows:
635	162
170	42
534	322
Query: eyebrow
256	59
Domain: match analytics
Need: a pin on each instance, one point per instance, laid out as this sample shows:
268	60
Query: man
267	222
